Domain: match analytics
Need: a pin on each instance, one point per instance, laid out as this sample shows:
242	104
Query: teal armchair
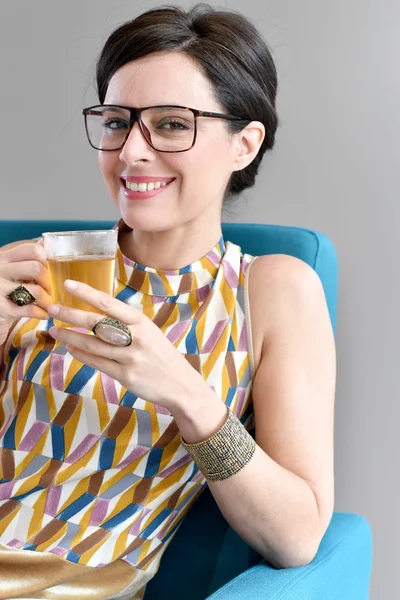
206	559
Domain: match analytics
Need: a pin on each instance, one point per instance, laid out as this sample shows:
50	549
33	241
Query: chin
143	222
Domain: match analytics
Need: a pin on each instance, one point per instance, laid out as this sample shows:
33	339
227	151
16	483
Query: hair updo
229	51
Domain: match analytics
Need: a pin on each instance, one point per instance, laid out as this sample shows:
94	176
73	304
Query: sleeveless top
94	481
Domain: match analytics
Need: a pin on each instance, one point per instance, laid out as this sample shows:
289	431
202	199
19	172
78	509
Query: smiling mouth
144	187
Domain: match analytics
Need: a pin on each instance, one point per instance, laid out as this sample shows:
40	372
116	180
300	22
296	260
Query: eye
115	124
174	124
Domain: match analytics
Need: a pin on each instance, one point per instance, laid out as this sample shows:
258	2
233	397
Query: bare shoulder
282	274
277	283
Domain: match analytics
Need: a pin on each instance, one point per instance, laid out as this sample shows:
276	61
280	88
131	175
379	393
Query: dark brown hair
228	49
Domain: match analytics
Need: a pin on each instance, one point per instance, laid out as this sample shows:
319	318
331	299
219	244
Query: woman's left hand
151	367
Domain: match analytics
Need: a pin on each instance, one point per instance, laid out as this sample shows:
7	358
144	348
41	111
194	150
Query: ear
248	144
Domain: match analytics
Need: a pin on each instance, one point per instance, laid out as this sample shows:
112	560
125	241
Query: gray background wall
335	169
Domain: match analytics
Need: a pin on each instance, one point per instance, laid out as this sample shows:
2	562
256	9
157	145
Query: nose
136	147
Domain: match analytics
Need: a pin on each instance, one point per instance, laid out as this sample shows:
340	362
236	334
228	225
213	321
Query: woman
107	441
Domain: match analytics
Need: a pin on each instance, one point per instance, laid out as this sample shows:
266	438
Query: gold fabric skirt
28	574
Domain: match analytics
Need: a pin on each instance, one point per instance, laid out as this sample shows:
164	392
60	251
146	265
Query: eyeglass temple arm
204	113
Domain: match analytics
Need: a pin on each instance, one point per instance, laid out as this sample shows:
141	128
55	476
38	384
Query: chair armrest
340	571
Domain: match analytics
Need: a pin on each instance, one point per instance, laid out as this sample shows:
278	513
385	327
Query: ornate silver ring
113	331
21	296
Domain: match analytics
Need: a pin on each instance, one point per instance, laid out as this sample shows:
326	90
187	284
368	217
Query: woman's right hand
23	264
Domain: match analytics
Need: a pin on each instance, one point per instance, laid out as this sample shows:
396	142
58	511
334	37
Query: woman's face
196	179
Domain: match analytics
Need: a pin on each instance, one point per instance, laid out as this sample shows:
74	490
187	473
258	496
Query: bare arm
282	501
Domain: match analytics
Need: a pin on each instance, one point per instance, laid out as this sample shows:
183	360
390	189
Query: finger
10	245
75	316
31	311
24	251
104	365
42	298
104	302
26	271
85	342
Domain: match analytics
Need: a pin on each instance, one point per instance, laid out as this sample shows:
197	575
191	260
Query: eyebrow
111	109
167	106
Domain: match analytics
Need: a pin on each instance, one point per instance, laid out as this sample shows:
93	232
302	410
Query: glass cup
86	256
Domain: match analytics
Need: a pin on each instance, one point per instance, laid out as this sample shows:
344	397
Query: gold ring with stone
113	331
21	296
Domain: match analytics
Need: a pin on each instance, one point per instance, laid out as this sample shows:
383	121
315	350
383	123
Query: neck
170	249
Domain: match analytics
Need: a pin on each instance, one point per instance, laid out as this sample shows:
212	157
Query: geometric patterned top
92	474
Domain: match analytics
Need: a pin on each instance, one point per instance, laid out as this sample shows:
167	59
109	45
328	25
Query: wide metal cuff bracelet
224	453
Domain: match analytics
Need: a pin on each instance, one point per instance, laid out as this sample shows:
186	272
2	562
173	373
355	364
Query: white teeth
145	187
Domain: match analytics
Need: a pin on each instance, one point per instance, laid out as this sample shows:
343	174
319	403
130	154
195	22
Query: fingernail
70	285
53	309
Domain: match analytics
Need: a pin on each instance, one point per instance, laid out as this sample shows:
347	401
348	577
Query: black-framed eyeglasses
166	128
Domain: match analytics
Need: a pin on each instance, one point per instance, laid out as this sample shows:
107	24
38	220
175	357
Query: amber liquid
96	271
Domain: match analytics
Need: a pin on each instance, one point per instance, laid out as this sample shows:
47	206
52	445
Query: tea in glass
86	256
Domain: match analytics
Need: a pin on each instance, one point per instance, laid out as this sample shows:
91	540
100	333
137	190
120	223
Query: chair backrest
206	552
254	238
